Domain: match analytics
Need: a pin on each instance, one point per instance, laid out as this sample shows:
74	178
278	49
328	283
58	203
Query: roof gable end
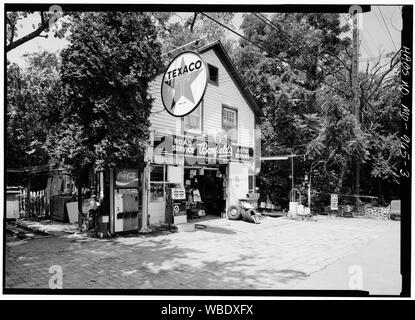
230	67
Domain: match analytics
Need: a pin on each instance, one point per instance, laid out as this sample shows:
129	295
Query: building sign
126	178
242	153
201	150
184	84
178	194
334	201
176	209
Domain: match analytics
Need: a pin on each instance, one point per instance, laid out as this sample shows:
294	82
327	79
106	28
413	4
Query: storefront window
158	173
158	178
157	191
193	121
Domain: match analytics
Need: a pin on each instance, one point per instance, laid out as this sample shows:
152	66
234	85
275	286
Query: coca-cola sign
126	178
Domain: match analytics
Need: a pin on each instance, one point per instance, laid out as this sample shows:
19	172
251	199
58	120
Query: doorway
210	181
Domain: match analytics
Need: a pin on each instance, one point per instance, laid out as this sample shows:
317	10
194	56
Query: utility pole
355	88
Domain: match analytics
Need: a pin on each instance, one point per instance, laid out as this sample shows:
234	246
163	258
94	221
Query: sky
374	37
380	34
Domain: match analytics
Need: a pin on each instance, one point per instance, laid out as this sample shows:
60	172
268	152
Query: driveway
279	253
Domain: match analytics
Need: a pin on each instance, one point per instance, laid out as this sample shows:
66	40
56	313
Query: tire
234	213
249	215
246	215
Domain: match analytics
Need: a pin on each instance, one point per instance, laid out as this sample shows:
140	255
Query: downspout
146	185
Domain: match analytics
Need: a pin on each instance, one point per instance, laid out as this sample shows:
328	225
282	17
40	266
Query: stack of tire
237	212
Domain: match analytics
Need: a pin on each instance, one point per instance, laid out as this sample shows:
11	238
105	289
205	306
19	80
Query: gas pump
176	205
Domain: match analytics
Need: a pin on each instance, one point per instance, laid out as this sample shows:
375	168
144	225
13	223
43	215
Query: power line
369	38
287	36
376	57
273	54
366	43
290	39
377	18
347	16
324	51
387	29
365	50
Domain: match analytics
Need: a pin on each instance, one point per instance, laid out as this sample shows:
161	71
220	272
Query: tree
175	31
340	137
46	23
29	111
285	79
303	84
374	140
105	104
381	120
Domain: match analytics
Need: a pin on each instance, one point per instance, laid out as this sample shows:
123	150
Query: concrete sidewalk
378	263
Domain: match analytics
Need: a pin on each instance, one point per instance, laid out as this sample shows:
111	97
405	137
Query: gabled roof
227	62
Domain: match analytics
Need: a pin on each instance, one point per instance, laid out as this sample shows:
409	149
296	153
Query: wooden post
79	186
28	197
355	88
145	197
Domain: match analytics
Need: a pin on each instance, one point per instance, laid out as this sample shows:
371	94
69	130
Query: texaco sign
184	84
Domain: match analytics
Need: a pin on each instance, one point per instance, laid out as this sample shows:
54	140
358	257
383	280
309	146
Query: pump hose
170	227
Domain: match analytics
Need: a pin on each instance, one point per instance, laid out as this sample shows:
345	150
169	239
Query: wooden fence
34	207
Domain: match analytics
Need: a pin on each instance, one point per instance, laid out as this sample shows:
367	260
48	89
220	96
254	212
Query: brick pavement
226	255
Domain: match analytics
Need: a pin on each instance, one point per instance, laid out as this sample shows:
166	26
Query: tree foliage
175	31
47	22
381	120
28	108
104	75
92	107
304	88
286	84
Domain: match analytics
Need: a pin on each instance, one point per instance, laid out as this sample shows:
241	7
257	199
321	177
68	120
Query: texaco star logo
184	84
176	209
